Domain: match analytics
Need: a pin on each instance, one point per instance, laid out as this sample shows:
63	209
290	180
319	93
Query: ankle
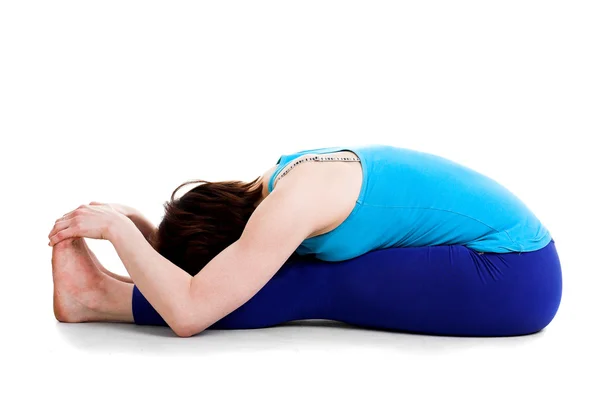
112	300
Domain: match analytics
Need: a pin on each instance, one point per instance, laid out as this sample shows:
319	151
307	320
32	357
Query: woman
220	243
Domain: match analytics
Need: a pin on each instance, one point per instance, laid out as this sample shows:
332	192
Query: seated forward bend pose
377	236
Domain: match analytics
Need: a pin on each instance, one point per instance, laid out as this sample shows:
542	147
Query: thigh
451	290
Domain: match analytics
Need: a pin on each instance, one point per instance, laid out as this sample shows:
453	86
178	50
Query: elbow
184	325
184	330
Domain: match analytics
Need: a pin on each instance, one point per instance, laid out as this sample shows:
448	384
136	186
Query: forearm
166	286
143	224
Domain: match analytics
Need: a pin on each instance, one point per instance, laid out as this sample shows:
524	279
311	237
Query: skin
312	199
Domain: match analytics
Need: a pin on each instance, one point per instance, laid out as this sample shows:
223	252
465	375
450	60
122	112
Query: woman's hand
139	220
90	221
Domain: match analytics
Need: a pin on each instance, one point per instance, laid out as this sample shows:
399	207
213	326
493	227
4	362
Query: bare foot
78	285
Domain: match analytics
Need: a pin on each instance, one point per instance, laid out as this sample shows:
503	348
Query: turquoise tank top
411	199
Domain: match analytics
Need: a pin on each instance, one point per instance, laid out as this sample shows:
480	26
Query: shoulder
322	194
310	180
293	211
306	185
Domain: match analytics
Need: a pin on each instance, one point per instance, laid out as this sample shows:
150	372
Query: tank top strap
303	159
288	161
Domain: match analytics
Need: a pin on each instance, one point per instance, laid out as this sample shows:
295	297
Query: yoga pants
441	290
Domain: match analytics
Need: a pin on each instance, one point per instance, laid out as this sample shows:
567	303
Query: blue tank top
412	199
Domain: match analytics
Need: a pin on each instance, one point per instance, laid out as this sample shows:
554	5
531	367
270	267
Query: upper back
410	198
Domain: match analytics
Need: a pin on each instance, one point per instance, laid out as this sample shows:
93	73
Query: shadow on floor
295	335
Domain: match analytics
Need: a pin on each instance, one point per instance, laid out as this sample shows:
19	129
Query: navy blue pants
440	290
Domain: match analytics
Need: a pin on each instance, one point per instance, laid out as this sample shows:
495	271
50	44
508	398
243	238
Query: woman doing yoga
377	236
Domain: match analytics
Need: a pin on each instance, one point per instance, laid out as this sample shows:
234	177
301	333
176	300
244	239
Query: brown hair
204	221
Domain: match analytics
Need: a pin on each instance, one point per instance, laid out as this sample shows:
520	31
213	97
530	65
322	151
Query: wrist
130	212
143	224
118	226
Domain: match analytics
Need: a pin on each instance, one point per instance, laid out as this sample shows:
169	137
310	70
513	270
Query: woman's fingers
71	214
66	221
58	226
77	210
62	235
65	217
88	220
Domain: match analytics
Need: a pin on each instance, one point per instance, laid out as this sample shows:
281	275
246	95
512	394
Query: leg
81	292
101	267
440	290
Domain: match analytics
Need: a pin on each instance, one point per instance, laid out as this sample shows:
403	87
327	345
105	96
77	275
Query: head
204	221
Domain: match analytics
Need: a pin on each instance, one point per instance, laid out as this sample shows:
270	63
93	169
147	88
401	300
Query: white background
120	101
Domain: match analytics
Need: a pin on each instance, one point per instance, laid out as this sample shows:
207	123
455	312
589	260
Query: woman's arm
299	206
142	223
191	304
139	220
